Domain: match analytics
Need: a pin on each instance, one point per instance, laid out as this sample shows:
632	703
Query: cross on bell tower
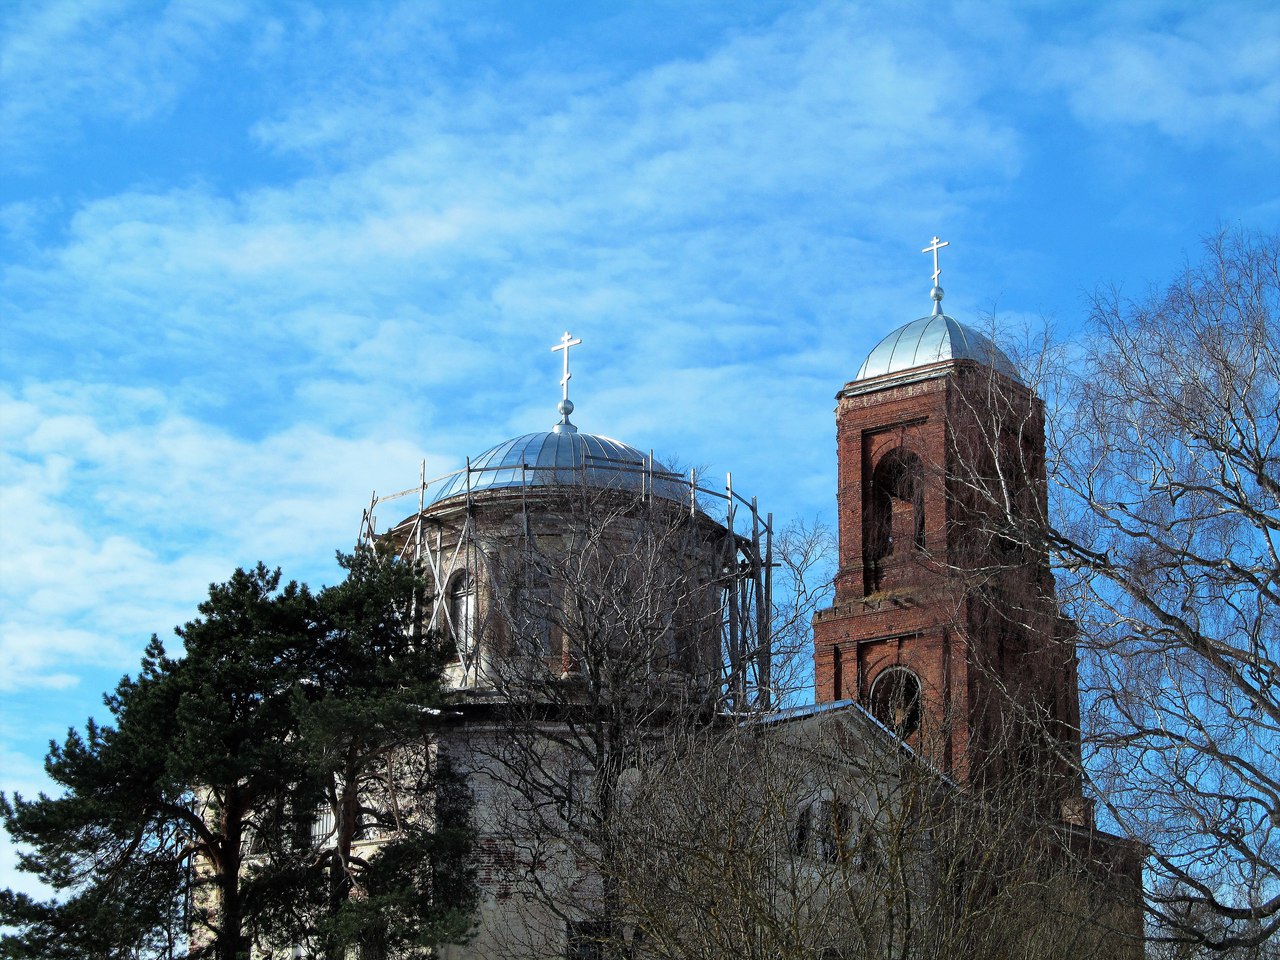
936	292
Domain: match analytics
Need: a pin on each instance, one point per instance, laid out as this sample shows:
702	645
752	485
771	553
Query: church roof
560	458
930	340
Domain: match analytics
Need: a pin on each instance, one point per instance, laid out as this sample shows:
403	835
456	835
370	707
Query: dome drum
496	538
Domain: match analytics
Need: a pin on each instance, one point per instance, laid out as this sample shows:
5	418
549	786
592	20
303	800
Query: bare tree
621	596
805	559
801	836
1162	519
627	813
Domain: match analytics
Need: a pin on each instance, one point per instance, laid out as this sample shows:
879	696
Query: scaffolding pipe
743	564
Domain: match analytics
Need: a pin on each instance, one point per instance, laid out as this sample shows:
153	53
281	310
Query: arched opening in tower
893	516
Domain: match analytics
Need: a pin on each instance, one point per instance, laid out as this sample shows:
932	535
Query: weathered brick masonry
926	586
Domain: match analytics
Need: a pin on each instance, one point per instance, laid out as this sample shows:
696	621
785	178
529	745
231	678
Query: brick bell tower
945	629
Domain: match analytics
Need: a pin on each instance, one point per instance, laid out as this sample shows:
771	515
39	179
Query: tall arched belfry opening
944	625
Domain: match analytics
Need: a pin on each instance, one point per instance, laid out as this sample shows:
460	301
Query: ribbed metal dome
558	458
930	340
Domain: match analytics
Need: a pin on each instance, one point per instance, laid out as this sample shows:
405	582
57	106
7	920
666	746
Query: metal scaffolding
735	555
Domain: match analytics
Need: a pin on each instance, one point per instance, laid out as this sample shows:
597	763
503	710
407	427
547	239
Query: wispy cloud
66	63
1197	74
125	512
498	214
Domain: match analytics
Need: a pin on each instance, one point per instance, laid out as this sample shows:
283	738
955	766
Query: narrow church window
801	831
534	605
895	700
462	613
577	796
666	643
833	829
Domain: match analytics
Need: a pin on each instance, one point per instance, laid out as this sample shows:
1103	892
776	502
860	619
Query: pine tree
389	864
189	822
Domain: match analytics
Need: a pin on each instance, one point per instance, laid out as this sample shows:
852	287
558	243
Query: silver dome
930	340
557	458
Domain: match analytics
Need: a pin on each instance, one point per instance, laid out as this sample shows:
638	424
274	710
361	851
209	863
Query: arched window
893	515
895	700
462	613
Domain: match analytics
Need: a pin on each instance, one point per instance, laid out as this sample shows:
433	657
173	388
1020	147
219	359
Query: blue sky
258	259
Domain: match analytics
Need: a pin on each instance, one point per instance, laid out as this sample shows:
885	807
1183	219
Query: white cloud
117	514
685	198
66	62
18	220
1200	77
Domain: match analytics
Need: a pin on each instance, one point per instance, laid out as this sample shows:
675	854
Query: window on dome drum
577	796
534	606
895	700
462	613
668	644
893	518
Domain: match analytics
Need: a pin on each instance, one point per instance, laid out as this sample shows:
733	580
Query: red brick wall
914	609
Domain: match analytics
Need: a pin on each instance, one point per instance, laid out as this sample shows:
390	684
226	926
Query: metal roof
564	457
930	340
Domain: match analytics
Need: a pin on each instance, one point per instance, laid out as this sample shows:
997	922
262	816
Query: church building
607	612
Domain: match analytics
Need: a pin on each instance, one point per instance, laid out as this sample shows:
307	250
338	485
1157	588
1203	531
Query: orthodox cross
565	343
932	248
